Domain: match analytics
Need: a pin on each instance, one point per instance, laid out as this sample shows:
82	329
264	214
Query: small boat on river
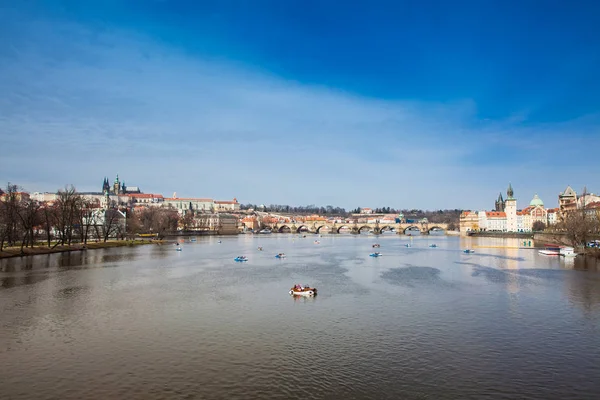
468	251
265	232
407	245
376	254
280	255
550	250
433	245
568	252
241	258
376	245
178	248
299	290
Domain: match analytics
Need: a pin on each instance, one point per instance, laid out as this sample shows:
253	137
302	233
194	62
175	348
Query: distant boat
568	252
433	245
298	290
280	255
178	248
553	250
407	245
376	245
241	258
550	250
264	232
468	251
375	255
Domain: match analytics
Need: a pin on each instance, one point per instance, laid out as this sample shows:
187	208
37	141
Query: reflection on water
150	322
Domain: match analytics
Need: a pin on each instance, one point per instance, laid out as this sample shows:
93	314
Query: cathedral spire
509	191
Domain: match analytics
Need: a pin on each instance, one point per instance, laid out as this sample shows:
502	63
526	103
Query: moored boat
264	232
568	252
550	250
299	290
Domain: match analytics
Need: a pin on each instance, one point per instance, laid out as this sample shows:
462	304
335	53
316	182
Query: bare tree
112	223
48	216
187	221
538	226
10	225
86	217
66	215
29	215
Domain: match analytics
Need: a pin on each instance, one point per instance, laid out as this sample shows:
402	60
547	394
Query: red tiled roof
495	214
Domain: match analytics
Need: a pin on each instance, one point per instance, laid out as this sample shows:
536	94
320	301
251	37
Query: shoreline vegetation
9	252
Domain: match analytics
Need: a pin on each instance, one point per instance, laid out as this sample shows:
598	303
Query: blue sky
418	104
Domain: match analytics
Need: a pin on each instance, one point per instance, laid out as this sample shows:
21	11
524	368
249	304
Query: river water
149	322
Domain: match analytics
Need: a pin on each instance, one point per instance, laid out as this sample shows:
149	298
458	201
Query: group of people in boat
301	288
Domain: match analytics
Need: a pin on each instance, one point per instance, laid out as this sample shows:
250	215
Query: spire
509	191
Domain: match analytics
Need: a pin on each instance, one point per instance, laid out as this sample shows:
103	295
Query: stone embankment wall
551	238
516	235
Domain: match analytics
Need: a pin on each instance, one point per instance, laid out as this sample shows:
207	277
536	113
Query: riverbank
510	235
8	252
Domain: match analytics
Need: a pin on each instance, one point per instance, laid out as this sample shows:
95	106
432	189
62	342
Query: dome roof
536	201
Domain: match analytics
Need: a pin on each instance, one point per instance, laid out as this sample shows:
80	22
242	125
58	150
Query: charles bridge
356	228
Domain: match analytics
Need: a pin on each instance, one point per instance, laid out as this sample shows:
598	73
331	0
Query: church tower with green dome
536	201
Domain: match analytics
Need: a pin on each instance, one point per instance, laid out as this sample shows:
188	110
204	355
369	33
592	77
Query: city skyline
421	107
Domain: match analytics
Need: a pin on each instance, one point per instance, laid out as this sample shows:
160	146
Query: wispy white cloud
79	103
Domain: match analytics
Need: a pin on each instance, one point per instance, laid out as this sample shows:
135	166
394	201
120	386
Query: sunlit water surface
149	322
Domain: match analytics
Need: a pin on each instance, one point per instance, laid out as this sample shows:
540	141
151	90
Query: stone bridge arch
303	228
385	228
327	228
284	229
437	227
339	228
362	228
411	228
